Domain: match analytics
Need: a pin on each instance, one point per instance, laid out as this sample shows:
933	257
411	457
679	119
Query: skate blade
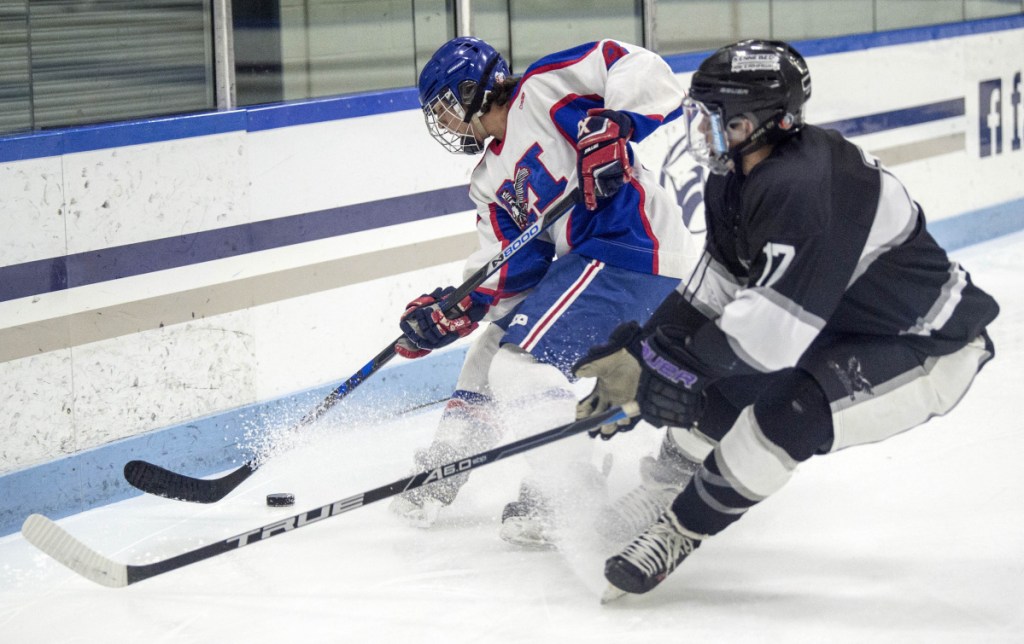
525	534
611	593
422	517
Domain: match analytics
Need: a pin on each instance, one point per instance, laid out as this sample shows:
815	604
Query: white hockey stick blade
56	542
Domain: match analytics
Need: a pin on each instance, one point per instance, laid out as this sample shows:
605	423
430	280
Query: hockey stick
157	480
59	544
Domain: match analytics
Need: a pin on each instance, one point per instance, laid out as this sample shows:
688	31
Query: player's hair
501	94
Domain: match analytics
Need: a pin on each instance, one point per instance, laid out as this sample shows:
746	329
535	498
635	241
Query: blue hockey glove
603	154
427	328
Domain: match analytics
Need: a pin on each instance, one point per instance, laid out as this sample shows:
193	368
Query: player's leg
867	409
751	461
851	390
469	424
848	391
682	451
575	306
533	396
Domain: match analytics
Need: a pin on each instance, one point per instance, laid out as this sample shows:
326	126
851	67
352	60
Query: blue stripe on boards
978	226
33	278
269	117
116	135
688	62
80	269
898	118
31	146
858	42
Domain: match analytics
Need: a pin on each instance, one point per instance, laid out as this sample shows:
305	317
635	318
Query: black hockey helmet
764	79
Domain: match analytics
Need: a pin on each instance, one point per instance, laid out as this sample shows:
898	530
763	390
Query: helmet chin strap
478	127
479	94
780	125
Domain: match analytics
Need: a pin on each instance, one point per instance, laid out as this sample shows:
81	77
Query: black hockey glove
603	154
616	365
671	388
427	328
652	370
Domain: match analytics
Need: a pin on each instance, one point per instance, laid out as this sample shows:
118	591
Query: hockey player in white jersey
568	121
823	314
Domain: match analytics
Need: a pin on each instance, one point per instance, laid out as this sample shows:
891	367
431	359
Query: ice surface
917	539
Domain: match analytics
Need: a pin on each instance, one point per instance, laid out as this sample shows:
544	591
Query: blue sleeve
524	269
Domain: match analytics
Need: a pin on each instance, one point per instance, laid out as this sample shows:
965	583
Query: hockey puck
280	499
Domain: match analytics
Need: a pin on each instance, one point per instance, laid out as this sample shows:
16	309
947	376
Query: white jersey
534	165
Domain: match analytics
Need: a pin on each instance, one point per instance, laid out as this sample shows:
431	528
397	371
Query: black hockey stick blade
159	481
153	479
53	540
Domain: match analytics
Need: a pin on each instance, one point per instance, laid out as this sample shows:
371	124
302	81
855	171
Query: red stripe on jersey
496	147
569	98
646	220
559	306
503	271
612	52
550	67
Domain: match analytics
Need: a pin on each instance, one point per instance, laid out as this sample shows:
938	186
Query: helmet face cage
707	139
447	122
453	88
767	81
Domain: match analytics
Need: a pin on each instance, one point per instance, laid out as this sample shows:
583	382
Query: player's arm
641	84
496	228
640	94
425	327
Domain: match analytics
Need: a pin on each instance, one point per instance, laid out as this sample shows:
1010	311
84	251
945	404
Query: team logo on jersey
852	377
515	199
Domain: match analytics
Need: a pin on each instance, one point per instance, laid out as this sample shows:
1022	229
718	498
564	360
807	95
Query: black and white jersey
821	239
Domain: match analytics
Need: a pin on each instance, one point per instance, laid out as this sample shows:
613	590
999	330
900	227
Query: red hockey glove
603	154
427	328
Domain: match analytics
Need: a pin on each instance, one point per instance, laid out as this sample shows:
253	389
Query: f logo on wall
990	113
990	116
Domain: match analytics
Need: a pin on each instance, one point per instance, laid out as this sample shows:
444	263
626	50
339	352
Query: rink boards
169	288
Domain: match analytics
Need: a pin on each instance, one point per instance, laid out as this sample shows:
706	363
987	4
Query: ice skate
528	521
420	507
649	558
663	478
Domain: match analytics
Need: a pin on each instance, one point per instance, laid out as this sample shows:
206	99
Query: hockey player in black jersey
822	315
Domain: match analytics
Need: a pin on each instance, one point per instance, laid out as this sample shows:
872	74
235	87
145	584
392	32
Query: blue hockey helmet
453	88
